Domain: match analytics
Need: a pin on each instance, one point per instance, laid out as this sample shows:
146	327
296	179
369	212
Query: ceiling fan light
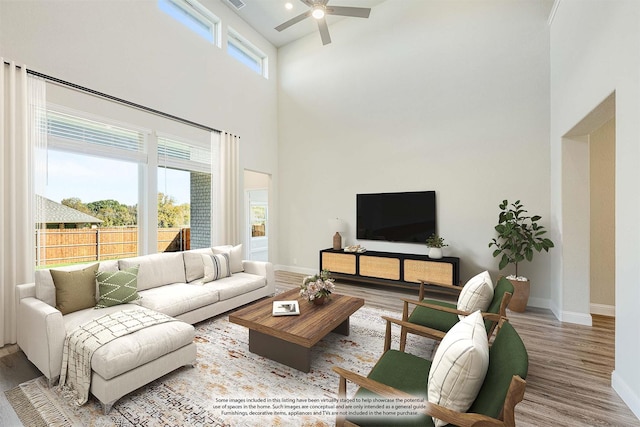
318	12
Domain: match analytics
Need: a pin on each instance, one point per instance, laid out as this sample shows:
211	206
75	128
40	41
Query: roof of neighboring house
56	213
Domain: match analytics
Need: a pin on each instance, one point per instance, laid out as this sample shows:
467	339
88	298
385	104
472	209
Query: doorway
588	214
256	190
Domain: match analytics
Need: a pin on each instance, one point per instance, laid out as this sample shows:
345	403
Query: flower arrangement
318	286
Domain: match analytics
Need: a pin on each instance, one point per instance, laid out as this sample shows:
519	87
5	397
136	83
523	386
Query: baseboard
603	309
573	317
626	393
539	303
563	316
555	309
577	318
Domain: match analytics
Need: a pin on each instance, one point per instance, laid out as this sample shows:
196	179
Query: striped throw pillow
215	267
476	294
459	366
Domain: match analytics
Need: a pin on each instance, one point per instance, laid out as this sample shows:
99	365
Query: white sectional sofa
172	283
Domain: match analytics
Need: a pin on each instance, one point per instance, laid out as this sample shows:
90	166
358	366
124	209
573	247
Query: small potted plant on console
518	236
435	244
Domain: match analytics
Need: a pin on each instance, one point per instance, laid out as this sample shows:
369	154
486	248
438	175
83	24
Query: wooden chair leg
515	395
403	330
403	338
387	337
342	395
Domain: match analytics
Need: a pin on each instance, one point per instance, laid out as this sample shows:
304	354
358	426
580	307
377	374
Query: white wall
135	51
602	167
595	51
424	95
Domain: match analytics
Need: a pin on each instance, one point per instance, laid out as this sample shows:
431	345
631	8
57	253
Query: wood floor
569	380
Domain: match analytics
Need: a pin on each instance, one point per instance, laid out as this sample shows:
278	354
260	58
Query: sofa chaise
173	283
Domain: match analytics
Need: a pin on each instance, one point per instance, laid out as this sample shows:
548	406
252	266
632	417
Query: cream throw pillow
235	256
459	366
476	294
193	267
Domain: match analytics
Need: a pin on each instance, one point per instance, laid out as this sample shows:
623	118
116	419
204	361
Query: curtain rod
119	100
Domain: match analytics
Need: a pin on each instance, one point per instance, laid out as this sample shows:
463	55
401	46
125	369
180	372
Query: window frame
113	152
249	50
199	13
196	162
141	147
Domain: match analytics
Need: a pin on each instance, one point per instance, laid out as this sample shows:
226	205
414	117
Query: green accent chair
438	316
402	375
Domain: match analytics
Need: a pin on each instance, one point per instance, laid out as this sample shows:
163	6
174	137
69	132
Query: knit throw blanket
82	342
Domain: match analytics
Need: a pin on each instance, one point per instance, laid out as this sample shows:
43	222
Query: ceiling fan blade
324	31
308	2
292	21
356	12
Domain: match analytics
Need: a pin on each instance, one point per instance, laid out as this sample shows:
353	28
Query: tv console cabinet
390	268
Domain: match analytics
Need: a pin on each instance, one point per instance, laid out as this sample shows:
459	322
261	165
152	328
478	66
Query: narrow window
194	16
184	194
245	52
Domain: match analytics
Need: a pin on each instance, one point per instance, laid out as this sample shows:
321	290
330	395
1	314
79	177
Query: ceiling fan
319	9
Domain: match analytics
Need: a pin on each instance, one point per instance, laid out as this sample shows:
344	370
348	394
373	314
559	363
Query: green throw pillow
117	287
76	289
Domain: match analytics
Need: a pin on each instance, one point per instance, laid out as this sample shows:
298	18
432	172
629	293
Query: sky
92	178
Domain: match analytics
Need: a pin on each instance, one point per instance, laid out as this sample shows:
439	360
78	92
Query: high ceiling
265	15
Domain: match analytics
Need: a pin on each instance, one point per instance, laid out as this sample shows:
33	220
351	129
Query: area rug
229	386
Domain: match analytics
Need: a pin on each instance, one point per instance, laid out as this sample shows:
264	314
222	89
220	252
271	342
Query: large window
101	178
90	207
245	52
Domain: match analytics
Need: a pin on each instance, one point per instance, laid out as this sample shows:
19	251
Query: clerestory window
241	49
194	16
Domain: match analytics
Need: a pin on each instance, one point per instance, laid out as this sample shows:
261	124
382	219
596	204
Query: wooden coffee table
288	339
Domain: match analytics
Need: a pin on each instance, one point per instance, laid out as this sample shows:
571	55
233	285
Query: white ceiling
265	15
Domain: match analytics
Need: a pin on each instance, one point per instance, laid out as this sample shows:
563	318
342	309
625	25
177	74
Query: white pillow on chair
476	294
459	366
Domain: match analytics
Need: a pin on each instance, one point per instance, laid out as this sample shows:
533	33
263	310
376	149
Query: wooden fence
76	245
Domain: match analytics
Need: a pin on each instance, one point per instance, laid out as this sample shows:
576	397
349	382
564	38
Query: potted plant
317	288
435	244
518	236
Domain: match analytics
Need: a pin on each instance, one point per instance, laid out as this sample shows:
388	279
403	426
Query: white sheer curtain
21	101
225	193
36	91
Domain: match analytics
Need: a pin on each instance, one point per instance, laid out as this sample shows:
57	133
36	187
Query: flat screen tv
396	217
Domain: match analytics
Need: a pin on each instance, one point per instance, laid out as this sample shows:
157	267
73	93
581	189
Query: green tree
112	212
185	214
76	203
133	212
169	215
